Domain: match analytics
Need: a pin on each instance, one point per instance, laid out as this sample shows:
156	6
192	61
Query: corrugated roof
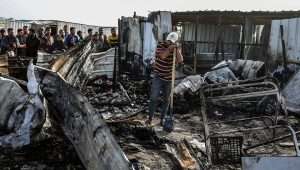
232	16
239	11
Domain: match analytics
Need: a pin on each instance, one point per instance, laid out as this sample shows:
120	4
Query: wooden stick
173	79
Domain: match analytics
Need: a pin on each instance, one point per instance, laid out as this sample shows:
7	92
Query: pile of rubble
116	101
222	118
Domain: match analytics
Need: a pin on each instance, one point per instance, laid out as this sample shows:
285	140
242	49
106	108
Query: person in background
41	37
105	46
113	38
33	44
71	39
90	34
101	34
100	42
161	81
10	42
41	33
59	41
95	40
49	40
96	36
80	36
21	43
61	34
66	30
2	36
25	31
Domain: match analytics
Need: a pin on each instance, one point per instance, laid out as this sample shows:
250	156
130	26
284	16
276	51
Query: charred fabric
79	113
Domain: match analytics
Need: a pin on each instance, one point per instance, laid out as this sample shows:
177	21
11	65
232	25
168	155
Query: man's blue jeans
158	87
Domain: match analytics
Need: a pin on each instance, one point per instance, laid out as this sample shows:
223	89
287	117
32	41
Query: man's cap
173	37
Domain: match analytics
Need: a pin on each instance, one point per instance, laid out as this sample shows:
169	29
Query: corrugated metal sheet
233	17
103	63
8	23
207	36
82	27
209	33
291	37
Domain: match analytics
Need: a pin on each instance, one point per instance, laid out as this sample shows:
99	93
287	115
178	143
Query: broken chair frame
228	92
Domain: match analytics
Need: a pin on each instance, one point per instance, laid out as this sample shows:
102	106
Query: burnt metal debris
220	122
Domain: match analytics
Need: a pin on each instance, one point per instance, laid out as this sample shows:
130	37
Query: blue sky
106	12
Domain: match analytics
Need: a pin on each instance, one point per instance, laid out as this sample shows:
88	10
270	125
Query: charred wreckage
81	111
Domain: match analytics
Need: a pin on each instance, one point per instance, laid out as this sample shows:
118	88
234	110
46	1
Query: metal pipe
240	96
239	82
294	137
242	85
206	128
270	141
244	119
247	130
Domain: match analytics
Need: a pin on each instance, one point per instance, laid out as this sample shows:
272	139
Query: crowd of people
101	41
28	42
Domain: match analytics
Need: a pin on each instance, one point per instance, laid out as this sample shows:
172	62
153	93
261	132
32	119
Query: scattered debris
104	120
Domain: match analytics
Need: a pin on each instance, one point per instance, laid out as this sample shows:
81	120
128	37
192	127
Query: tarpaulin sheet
190	83
150	44
134	38
247	69
21	114
222	75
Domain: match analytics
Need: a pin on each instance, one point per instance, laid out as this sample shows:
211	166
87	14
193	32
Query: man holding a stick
162	80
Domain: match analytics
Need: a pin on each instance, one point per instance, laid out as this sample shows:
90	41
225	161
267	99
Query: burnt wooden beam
87	131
